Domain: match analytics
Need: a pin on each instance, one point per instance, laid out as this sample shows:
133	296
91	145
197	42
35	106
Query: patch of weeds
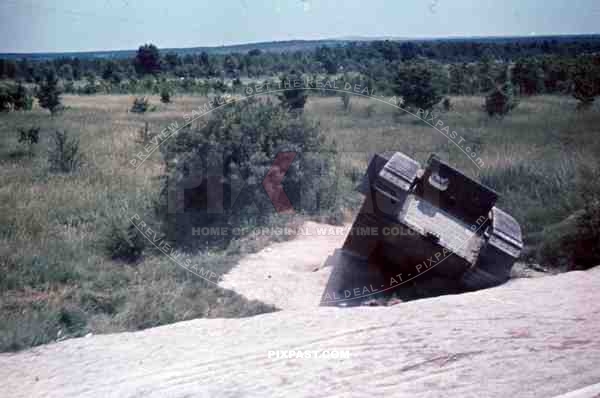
140	105
28	328
65	155
34	271
122	241
105	302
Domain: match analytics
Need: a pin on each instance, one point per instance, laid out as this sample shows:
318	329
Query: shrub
27	329
48	93
15	98
500	101
21	100
65	155
165	96
5	99
292	99
345	97
574	243
586	82
447	104
239	145
140	105
29	137
414	83
91	86
122	241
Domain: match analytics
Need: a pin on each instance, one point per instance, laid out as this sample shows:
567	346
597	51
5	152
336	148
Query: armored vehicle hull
418	224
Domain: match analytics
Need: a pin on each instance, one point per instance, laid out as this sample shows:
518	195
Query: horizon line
341	39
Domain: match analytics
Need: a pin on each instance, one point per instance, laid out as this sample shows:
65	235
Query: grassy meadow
57	280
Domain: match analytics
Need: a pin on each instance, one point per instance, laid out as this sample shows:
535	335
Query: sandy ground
292	275
289	275
532	337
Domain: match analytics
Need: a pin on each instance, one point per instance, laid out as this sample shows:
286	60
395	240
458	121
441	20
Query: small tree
48	93
165	95
500	101
29	137
15	98
147	60
123	241
6	100
414	83
585	89
21	100
447	104
65	155
292	98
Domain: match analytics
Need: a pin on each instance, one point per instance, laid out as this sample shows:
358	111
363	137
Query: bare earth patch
289	274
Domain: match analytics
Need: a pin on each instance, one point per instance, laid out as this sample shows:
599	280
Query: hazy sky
76	25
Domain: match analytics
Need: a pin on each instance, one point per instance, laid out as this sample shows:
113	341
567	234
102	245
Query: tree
414	83
66	72
48	93
111	73
147	60
528	77
14	97
165	95
500	101
458	79
21	100
292	98
586	81
485	74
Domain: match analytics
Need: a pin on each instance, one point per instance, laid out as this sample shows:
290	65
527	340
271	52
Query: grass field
57	281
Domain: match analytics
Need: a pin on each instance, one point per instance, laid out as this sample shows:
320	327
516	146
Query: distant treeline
459	66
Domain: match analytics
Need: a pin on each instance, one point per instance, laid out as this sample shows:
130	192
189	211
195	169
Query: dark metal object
416	224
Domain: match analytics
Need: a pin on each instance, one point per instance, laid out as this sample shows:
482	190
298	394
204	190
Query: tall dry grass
56	279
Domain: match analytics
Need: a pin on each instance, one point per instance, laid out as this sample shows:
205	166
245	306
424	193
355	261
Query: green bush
48	93
34	272
291	98
574	243
140	105
447	104
30	136
240	144
165	96
122	241
414	83
28	329
64	156
500	101
15	97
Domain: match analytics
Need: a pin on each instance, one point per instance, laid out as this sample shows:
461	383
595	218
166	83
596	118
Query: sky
76	25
